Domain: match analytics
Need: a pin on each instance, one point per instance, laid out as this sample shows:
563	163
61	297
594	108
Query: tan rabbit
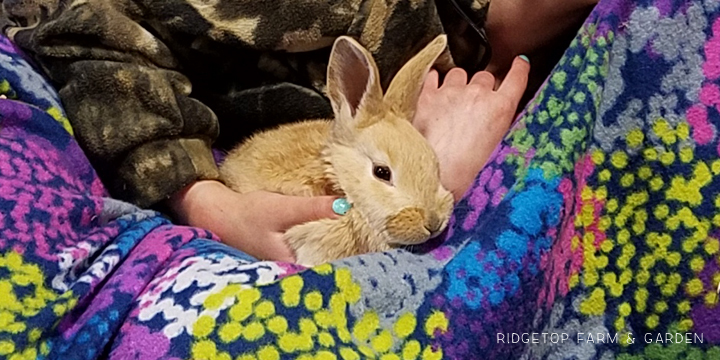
370	154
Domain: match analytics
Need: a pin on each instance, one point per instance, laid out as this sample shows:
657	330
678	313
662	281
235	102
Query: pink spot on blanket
703	132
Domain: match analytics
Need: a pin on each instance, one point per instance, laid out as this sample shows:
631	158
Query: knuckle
505	105
427	95
474	90
318	208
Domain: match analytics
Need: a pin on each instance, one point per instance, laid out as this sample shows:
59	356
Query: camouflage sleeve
116	64
127	102
395	30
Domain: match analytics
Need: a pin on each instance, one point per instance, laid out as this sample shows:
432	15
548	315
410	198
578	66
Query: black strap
480	31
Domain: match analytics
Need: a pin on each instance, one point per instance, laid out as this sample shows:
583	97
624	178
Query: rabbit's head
385	167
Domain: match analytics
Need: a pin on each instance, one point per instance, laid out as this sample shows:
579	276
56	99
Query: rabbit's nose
433	223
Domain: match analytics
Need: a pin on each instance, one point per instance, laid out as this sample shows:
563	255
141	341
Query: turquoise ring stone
341	206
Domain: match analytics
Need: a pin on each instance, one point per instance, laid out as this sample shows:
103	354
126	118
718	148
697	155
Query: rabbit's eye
382	172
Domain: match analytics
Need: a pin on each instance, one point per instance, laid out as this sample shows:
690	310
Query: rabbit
370	154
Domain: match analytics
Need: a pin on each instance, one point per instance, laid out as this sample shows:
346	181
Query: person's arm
149	141
126	100
255	227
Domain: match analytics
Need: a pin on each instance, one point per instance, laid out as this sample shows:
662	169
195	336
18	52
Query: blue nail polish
341	206
524	58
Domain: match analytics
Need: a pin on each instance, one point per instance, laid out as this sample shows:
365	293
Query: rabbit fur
344	156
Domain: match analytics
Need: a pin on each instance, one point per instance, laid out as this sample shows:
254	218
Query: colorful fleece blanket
593	232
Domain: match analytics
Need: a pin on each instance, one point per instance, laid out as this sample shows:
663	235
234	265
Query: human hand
464	122
254	222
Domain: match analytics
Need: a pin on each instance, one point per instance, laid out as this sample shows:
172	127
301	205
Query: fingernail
341	206
524	58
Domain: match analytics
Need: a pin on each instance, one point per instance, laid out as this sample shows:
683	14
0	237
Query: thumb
301	209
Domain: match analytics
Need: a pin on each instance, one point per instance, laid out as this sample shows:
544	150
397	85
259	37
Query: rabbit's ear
404	90
353	83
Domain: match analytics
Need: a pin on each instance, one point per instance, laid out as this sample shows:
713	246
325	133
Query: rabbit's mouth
402	243
443	226
413	226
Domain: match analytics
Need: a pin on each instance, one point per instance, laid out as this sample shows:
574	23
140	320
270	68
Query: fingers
516	80
428	91
484	79
455	77
431	81
294	210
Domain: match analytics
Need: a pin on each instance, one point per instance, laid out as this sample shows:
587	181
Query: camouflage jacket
147	85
